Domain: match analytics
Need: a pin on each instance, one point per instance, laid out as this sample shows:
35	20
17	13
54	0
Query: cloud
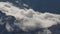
8	27
28	19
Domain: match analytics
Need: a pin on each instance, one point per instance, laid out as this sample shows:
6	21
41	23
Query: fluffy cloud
28	19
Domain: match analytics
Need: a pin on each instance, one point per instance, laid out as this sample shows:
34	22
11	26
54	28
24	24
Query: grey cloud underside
15	20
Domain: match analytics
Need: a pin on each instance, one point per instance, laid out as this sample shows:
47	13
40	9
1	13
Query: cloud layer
28	19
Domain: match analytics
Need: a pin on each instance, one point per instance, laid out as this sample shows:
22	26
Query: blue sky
52	6
44	5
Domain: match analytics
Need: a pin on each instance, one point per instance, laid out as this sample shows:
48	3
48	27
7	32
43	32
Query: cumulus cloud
8	27
28	19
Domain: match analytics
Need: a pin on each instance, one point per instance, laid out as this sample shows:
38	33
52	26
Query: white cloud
28	19
8	27
47	31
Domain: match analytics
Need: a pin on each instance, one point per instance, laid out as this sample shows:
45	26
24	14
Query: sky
52	6
29	17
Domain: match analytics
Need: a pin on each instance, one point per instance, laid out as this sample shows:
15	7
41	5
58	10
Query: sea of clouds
26	19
